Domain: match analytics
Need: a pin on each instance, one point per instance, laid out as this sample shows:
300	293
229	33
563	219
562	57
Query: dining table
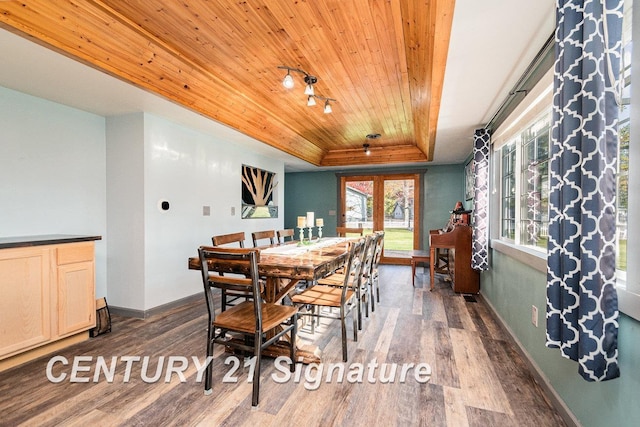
284	266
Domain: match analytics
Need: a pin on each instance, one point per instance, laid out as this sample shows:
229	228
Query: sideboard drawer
75	252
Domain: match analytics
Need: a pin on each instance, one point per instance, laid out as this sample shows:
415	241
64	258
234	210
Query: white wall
125	210
190	170
52	172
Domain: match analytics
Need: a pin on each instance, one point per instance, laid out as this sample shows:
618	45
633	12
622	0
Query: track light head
308	90
366	149
327	107
288	80
311	101
310	81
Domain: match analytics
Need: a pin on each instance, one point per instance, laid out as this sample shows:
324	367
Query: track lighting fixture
366	146
309	89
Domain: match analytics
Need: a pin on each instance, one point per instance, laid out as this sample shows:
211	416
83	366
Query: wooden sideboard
47	294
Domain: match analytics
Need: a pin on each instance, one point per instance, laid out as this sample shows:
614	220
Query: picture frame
258	193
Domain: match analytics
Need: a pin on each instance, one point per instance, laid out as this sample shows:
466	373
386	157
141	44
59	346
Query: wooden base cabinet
47	293
76	288
25	299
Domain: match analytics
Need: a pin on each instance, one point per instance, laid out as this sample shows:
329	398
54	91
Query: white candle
301	222
319	222
310	216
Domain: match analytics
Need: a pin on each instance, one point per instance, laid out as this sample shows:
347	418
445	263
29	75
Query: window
509	191
525	185
623	147
534	202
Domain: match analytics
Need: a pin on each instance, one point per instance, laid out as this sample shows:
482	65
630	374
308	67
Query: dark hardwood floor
477	376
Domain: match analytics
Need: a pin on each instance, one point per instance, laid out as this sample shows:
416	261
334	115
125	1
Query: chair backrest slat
224	239
354	266
369	254
379	245
260	235
343	231
284	234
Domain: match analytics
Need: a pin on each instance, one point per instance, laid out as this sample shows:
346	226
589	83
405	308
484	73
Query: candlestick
319	232
310	233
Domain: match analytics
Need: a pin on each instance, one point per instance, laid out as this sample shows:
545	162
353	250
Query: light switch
206	210
233	210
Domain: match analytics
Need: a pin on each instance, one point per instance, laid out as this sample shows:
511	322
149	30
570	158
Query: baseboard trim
538	375
144	314
49	348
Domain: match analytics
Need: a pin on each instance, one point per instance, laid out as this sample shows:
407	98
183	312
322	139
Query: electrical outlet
534	315
233	210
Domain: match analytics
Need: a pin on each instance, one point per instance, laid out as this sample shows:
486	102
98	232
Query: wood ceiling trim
379	156
426	65
442	30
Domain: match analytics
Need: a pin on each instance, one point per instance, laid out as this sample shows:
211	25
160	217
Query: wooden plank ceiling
382	61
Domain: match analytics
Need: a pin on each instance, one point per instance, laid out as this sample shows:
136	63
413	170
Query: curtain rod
532	75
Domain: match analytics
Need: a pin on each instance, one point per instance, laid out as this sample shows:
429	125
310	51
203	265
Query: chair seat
242	317
335	279
327	296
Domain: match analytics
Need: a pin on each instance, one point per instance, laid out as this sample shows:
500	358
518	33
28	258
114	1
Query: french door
384	202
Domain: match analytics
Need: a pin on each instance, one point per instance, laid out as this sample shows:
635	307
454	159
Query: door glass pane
398	217
359	205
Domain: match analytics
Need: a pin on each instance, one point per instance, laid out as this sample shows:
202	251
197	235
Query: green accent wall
443	186
311	191
512	287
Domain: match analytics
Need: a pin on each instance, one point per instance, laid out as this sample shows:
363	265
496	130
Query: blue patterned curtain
582	304
481	148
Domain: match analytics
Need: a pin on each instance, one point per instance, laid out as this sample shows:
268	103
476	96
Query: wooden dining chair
343	297
363	289
248	321
256	236
230	295
343	231
285	235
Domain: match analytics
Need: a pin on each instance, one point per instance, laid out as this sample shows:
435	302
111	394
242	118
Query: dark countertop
45	239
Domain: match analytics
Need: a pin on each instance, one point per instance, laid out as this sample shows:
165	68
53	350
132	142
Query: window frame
629	288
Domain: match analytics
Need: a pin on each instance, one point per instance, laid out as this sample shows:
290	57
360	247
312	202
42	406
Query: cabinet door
25	299
76	297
